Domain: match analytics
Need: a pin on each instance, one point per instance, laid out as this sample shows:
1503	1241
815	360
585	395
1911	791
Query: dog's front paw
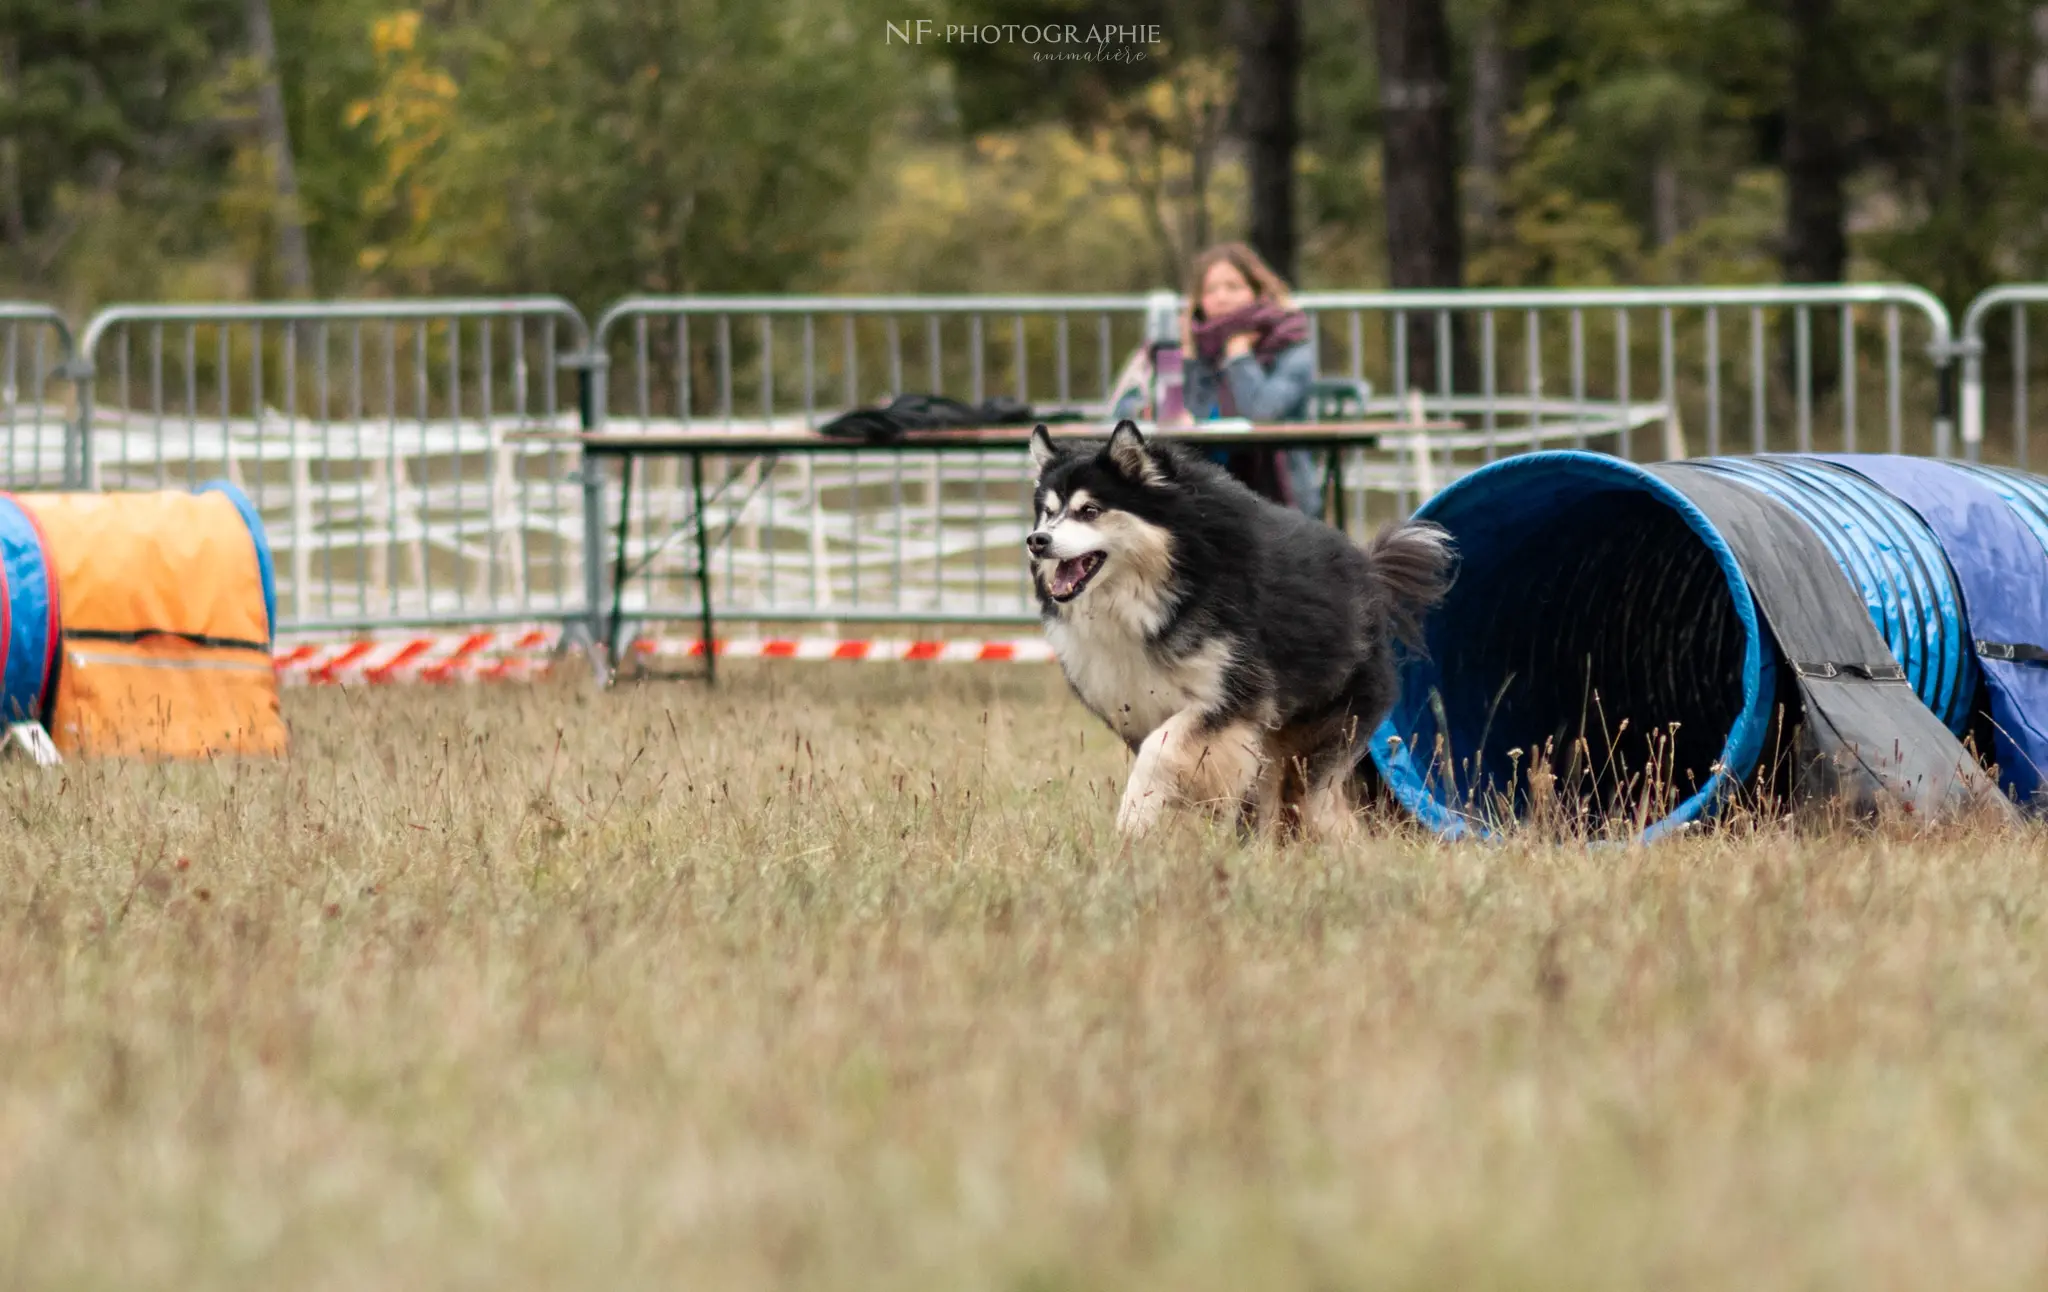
1141	810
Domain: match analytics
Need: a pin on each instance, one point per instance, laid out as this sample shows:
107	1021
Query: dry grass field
836	978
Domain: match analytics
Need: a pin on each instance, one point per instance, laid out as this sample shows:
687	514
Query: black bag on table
907	414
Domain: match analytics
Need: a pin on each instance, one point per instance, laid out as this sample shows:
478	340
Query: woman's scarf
1275	329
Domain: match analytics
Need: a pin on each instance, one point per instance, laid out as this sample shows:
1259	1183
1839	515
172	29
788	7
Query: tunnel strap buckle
2014	652
1868	672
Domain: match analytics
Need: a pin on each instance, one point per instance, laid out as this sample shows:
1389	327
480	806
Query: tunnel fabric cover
166	625
2002	569
1865	737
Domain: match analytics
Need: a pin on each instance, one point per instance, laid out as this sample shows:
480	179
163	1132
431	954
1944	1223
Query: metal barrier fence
840	537
935	538
2004	424
1727	369
37	398
374	436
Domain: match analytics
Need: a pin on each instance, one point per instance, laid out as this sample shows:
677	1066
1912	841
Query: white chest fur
1106	661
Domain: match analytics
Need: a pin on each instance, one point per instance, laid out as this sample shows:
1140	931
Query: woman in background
1246	353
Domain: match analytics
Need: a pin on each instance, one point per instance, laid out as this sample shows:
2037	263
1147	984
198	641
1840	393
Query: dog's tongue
1066	576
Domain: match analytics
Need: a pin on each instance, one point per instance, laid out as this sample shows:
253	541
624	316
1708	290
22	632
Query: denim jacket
1278	394
1261	395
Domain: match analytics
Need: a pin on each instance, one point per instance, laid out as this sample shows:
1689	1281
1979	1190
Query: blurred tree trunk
1817	162
1666	214
2037	66
294	261
1967	184
1496	89
1267	34
13	206
1425	245
1816	148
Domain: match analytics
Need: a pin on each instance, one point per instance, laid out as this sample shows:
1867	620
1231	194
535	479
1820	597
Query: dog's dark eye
1088	511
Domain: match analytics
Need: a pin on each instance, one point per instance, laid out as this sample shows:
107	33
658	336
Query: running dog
1244	651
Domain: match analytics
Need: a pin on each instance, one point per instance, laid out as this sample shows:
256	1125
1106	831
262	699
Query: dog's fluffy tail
1410	566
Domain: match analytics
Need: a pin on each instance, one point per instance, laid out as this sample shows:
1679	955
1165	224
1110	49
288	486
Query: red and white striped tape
478	656
510	656
1025	651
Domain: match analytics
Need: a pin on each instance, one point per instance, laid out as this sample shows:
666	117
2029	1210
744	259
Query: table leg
616	624
1333	476
706	629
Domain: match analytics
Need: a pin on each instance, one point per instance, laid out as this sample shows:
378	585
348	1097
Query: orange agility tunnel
166	606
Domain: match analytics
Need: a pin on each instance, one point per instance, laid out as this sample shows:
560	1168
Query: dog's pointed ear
1042	450
1129	454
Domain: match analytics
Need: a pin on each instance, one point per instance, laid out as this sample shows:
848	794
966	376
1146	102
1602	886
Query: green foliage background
597	147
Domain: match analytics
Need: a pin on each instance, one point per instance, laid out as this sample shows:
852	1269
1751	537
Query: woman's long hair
1267	287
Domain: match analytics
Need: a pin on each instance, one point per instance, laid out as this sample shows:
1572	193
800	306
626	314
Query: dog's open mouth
1069	577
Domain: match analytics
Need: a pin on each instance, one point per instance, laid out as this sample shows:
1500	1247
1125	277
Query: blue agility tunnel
28	617
1643	643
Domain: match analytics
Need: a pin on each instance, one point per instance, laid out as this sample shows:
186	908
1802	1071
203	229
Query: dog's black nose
1038	541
